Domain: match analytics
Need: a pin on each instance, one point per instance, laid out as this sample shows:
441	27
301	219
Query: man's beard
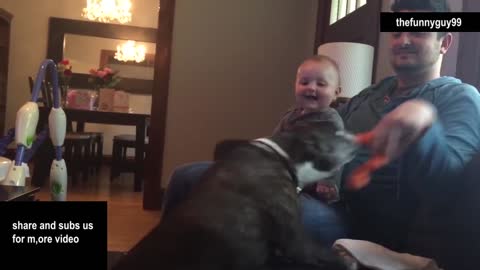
409	69
414	68
423	60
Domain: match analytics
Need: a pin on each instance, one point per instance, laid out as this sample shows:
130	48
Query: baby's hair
321	58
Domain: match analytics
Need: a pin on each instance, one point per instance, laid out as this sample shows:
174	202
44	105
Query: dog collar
284	156
274	146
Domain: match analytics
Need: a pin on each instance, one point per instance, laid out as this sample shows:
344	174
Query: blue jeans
322	221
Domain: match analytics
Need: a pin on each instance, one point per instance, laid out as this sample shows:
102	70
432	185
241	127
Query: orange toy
360	177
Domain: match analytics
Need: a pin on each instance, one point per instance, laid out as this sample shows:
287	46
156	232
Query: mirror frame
58	27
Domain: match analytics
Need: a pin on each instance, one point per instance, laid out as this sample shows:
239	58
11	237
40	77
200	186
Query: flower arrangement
64	70
103	78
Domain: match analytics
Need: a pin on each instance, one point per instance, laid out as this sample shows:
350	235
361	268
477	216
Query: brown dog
244	212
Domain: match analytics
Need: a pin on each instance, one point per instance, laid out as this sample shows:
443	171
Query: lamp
129	51
108	10
355	61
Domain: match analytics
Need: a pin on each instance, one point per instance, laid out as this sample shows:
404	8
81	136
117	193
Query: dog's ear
224	147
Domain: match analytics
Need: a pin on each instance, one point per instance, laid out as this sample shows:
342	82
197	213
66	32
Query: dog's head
318	149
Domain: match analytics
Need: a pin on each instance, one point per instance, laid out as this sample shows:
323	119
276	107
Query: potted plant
104	80
103	77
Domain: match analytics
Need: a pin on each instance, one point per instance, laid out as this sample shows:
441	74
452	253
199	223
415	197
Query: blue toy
14	172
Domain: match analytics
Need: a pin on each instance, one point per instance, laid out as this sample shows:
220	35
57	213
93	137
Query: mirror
92	44
86	52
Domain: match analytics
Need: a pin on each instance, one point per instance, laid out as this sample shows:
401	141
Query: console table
14	193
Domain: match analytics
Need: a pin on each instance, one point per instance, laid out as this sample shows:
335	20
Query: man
428	127
426	124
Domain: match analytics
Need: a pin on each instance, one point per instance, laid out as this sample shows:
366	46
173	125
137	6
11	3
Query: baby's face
316	85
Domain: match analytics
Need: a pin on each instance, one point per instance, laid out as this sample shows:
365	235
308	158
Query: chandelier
108	10
129	51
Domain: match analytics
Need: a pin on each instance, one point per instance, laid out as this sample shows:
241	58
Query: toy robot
25	131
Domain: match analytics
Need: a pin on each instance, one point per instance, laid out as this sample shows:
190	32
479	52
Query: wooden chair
77	154
120	161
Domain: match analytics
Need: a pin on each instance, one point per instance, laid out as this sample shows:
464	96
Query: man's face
412	52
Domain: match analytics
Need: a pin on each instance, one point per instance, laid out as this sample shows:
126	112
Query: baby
317	86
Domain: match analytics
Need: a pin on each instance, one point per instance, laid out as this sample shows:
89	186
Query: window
341	8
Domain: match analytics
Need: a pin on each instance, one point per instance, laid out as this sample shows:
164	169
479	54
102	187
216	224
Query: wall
29	47
449	66
232	72
383	68
449	60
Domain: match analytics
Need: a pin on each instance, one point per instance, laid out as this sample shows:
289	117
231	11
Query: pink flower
103	77
101	73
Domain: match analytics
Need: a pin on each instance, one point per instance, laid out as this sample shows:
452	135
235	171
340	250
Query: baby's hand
327	192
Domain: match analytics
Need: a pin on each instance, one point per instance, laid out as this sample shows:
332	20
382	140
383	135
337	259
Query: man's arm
438	158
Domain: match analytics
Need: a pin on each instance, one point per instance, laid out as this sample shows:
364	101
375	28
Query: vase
94	95
105	99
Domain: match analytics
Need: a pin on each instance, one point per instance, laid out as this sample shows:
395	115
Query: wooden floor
127	221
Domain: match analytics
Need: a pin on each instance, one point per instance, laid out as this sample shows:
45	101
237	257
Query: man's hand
397	130
391	137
